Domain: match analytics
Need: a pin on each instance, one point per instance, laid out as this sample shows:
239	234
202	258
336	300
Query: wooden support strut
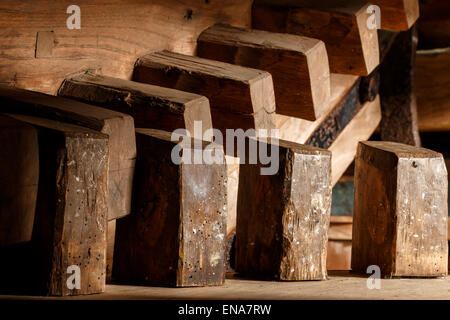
69	230
298	65
282	219
342	24
400	210
119	127
175	235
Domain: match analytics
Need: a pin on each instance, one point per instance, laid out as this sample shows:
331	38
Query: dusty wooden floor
341	285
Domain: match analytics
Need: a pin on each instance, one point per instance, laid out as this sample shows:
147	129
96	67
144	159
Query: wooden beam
434	24
118	126
175	235
433	95
398	15
113	35
19	176
150	106
71	214
243	96
282	219
400	211
397	91
352	47
298	65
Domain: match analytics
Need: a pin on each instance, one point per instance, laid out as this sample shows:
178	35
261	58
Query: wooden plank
113	35
400	211
71	214
232	89
19	176
352	47
399	15
433	95
283	219
118	126
175	235
298	65
339	254
361	128
397	91
150	106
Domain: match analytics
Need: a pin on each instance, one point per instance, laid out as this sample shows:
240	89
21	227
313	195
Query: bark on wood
400	211
282	219
118	126
298	65
352	47
150	106
19	175
397	90
175	235
236	92
71	214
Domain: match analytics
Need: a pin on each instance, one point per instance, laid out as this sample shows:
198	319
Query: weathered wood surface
433	93
150	106
175	235
298	65
118	126
113	35
399	15
71	214
231	89
400	210
282	219
398	91
352	47
19	175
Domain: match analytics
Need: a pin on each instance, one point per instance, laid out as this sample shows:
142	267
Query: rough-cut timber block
298	65
19	175
282	219
71	215
175	235
342	24
150	106
398	15
119	127
240	97
400	210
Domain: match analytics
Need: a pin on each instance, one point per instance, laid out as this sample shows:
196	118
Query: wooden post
118	126
175	235
298	65
400	210
282	219
69	230
397	91
19	176
150	106
239	97
352	47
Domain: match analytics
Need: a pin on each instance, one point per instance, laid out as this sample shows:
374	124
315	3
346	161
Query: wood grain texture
175	235
398	91
71	214
113	34
400	210
352	48
19	176
283	219
118	126
399	15
150	106
298	65
232	89
433	94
